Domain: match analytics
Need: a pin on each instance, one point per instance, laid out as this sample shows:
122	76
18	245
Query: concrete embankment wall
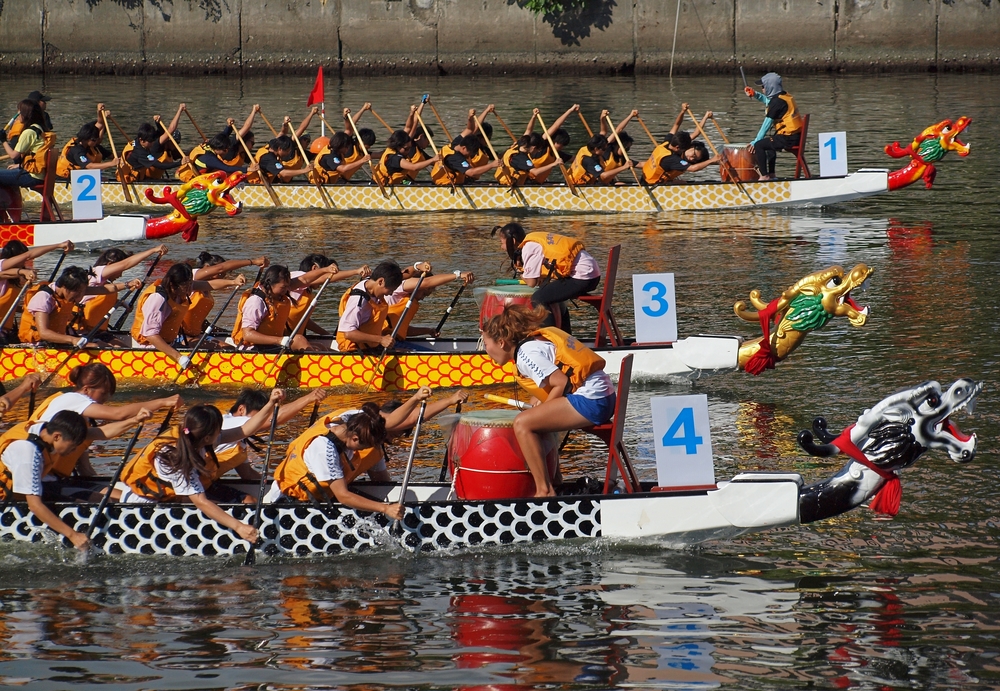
495	36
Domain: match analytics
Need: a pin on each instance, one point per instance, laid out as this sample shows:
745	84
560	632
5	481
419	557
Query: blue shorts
596	410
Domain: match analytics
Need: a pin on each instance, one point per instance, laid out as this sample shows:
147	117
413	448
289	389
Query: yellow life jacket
15	129
352	157
34	161
140	473
372	327
59	464
395	313
273	323
195	168
652	173
297	308
480	159
17	433
7	300
560	252
171	325
442	175
382	172
61	319
320	175
228	459
197	314
96	307
544	160
293	476
126	173
254	177
64	166
579	174
416	157
505	173
574	359
791	122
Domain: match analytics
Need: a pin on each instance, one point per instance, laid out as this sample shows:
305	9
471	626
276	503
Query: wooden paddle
434	148
189	164
721	133
267	122
410	301
305	160
364	150
635	175
114	152
648	133
504	125
379	118
728	166
504	166
13	305
555	152
409	462
251	557
195	125
260	173
590	132
427	100
136	294
298	327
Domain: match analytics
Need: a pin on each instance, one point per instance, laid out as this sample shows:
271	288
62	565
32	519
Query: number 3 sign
655	309
683	441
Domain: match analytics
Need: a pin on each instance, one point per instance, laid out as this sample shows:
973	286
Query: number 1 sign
85	186
832	154
683	441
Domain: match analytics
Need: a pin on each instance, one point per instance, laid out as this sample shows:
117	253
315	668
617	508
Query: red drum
486	460
739	157
492	299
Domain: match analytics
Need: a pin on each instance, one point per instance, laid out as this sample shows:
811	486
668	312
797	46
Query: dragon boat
805	306
887	438
927	148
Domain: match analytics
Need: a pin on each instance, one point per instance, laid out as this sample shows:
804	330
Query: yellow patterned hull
401	372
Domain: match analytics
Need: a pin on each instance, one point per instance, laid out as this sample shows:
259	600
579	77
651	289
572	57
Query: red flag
316	95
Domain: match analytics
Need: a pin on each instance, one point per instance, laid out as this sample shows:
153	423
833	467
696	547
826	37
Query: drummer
557	265
566	380
781	114
398	299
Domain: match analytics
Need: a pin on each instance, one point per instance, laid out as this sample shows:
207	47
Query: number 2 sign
683	441
832	154
655	308
85	186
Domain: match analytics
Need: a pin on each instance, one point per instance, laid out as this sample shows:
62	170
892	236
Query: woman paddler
566	380
16	266
164	304
398	298
112	263
171	466
209	267
678	154
301	297
588	165
93	386
557	265
262	319
23	460
340	447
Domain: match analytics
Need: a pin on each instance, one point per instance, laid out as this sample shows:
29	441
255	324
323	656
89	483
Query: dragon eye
934	400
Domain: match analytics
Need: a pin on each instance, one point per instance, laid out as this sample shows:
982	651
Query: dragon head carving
196	197
926	149
887	438
803	307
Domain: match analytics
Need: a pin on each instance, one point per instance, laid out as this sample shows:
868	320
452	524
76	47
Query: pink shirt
96	280
42	302
154	311
397	296
254	311
3	282
532	255
295	294
357	312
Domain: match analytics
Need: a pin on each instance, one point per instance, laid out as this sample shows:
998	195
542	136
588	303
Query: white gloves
285	341
82	342
184	362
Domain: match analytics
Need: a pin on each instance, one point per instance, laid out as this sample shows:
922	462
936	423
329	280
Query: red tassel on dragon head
195	198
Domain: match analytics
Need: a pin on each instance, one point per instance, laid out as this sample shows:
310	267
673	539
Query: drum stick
722	161
648	133
721	133
743	74
506	401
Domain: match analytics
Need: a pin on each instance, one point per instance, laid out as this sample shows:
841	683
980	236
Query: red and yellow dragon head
196	197
926	149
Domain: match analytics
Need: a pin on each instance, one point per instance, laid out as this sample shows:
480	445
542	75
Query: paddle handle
114	480
252	552
379	118
395	330
364	150
55	271
267	122
303	320
555	152
621	147
447	449
722	161
438	116
646	130
135	295
260	173
447	312
413	454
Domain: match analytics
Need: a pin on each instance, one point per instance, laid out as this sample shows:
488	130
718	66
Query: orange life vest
480	159
544	160
171	325
61	319
34	161
126	173
416	157
293	476
505	173
382	172
254	177
560	252
395	313
320	175
574	359
652	173
17	433
15	130
96	307
791	122
195	168
197	314
578	173
273	323
7	300
373	326
228	459
442	175
140	473
64	166
352	158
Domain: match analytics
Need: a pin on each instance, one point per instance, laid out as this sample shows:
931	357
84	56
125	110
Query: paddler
223	152
22	463
420	139
557	265
363	310
163	305
235	455
93	386
52	314
300	298
518	163
781	114
147	158
112	263
263	313
28	155
588	165
678	154
169	468
398	298
397	165
558	135
455	166
568	386
10	398
85	152
209	267
337	162
340	447
16	266
275	161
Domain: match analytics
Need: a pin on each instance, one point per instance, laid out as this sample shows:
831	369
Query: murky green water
847	603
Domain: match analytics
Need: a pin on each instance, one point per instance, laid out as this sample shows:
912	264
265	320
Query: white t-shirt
532	256
72	400
25	462
230	421
537	360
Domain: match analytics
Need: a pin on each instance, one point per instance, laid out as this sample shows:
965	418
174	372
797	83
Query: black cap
38	96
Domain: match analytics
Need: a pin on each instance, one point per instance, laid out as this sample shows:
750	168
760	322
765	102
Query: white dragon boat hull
118	228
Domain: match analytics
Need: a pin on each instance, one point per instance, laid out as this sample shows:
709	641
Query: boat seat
612	433
800	161
50	210
607	327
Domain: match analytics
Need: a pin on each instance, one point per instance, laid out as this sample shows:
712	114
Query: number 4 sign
832	154
683	441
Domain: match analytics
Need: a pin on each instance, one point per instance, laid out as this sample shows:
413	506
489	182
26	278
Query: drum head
502	292
489	418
